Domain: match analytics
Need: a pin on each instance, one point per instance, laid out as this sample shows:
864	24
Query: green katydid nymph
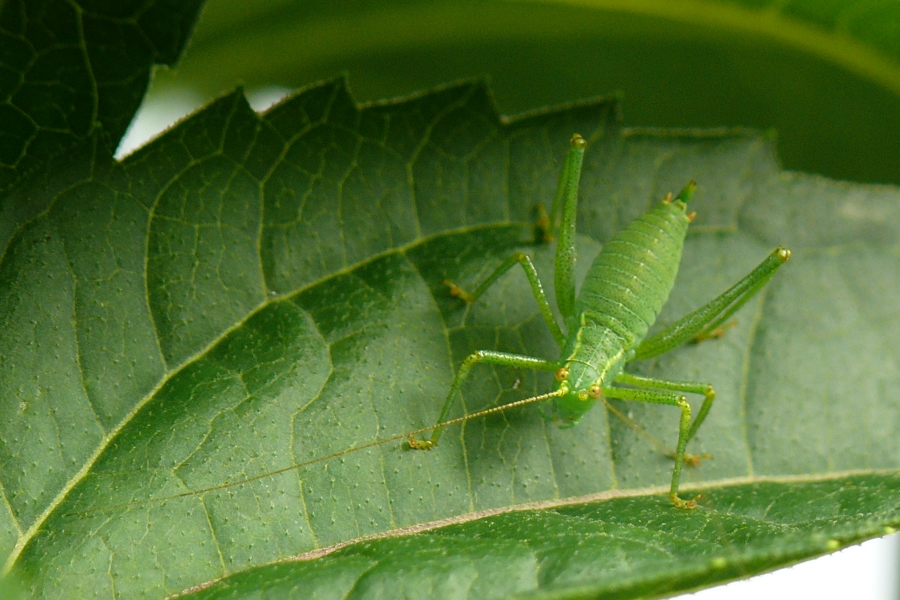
607	321
606	324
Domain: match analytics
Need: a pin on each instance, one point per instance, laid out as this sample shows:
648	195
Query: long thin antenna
300	465
634	426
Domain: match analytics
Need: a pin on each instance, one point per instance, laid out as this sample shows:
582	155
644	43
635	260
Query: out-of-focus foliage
824	75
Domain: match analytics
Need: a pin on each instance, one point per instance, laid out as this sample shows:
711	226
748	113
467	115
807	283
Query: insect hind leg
706	321
684	426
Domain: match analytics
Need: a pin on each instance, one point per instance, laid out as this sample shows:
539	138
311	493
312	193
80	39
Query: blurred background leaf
824	75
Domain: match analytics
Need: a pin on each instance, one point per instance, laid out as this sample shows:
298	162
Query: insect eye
562	374
595	391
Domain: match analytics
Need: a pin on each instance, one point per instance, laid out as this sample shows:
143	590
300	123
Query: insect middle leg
481	356
684	427
708	318
689	387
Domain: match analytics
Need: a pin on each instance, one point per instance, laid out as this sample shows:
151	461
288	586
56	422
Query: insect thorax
595	355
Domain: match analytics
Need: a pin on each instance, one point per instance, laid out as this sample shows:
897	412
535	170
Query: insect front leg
536	288
689	387
565	203
710	317
684	426
481	356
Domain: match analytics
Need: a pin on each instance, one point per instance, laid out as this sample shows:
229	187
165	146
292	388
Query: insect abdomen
631	278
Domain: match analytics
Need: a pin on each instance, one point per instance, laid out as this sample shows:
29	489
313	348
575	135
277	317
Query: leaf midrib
578	500
28	534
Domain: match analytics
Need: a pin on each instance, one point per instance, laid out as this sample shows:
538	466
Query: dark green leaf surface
253	291
72	68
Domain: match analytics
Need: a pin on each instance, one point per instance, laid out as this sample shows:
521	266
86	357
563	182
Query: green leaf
621	548
70	70
251	291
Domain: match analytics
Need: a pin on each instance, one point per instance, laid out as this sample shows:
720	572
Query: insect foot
417	444
715	333
683	504
694	460
691	460
458	292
